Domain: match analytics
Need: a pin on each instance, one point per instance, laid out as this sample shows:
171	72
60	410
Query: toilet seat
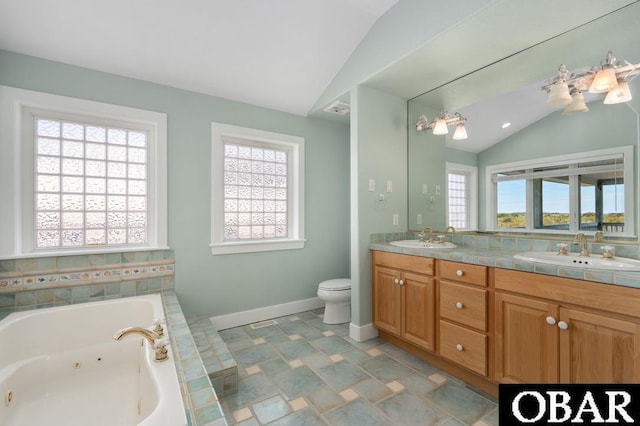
339	284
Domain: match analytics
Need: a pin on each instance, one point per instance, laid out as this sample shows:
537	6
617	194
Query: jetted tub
61	366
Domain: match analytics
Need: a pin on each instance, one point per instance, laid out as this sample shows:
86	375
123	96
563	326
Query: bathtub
61	366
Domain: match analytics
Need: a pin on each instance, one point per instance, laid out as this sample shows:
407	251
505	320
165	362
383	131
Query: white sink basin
418	244
595	261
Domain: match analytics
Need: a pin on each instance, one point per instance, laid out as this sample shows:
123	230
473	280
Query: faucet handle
562	249
607	252
160	343
161	352
159	329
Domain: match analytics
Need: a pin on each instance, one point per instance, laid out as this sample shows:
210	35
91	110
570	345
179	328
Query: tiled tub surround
38	283
498	251
42	282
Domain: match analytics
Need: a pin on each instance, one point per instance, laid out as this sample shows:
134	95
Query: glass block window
256	196
462	198
457	193
257	190
90	185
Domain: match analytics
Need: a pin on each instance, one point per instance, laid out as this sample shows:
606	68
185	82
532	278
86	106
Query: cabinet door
595	348
387	299
526	348
418	313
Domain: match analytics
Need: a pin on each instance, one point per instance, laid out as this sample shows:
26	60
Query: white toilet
337	297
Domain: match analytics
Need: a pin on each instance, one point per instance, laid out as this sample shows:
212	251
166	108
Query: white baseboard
236	319
360	334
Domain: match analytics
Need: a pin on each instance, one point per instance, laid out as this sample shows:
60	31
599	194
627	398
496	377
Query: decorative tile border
82	274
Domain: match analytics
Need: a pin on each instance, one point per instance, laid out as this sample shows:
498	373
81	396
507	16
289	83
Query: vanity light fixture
609	77
440	124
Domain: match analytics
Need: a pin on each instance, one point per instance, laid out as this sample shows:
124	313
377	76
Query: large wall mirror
540	139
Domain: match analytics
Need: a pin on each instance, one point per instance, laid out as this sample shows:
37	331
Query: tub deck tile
200	399
220	365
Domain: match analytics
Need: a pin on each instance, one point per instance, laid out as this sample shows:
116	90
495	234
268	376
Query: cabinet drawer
417	264
464	304
463	346
463	272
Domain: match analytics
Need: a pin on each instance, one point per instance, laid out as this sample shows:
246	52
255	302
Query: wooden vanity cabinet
462	324
403	297
558	330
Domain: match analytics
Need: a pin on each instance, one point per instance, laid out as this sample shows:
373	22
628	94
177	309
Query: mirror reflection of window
612	206
552	194
512	204
587	205
590	191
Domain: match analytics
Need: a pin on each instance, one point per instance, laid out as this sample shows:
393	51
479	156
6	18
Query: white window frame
294	144
625	152
17	107
471	193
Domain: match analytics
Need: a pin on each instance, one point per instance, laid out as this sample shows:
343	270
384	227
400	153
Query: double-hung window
257	197
91	176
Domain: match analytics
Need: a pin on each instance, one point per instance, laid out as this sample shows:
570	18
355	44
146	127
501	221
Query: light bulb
619	94
604	81
559	95
441	127
460	133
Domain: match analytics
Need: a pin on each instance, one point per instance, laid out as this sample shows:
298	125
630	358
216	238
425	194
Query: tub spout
152	337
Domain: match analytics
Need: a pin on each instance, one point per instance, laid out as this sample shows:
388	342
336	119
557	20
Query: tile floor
301	371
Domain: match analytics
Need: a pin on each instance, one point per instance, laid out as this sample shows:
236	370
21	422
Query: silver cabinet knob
459	347
459	272
401	282
396	281
563	325
459	305
551	320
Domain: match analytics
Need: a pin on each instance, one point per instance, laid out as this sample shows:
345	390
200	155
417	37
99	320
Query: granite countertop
503	258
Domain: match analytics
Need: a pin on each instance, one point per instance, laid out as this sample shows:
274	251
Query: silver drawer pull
551	320
459	272
459	305
459	347
395	280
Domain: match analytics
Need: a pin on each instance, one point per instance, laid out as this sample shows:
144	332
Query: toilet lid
335	285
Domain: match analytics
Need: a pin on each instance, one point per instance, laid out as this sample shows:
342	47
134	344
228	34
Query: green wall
217	285
379	152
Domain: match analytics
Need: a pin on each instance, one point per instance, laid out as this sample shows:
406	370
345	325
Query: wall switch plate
396	219
437	189
419	219
372	184
389	186
424	189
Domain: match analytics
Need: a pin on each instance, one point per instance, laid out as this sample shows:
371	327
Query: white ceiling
275	54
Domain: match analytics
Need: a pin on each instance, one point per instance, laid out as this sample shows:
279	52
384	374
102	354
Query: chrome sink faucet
584	246
152	337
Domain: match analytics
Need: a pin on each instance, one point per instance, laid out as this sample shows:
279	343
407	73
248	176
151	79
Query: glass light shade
604	81
559	95
577	105
619	94
460	133
441	127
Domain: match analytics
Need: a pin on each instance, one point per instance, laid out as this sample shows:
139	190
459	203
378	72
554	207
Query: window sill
79	252
255	246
